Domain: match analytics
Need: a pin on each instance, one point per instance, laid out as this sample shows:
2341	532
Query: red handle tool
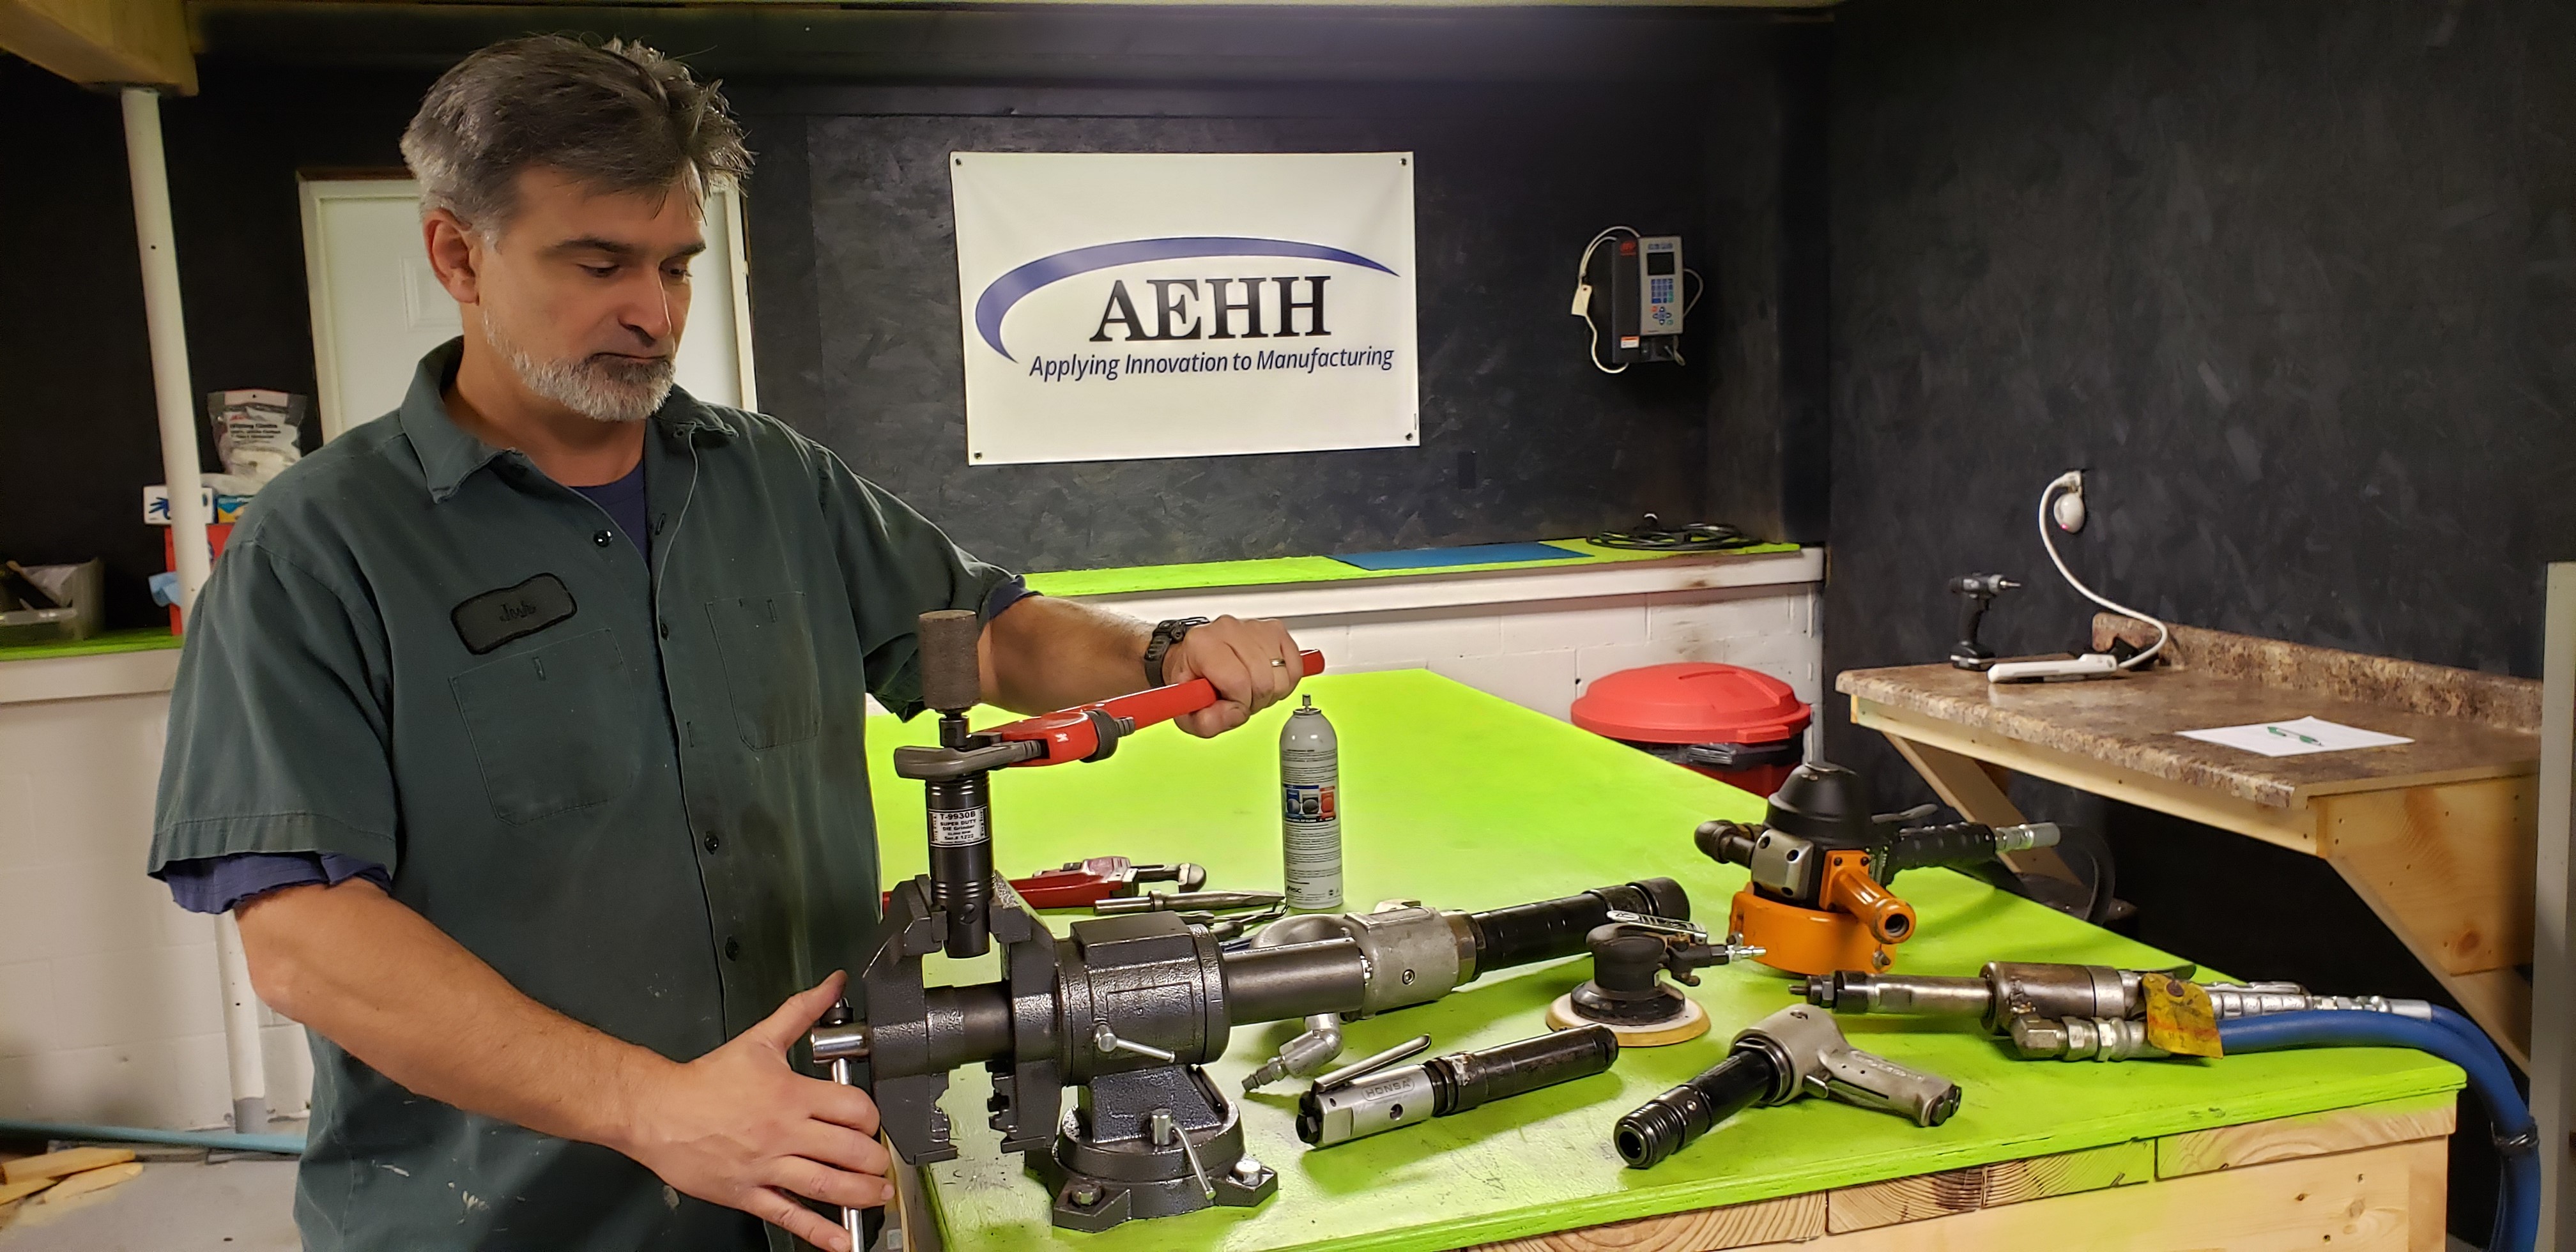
1077	885
1081	884
1075	734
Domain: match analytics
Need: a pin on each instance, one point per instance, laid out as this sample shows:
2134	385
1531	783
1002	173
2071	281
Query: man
521	728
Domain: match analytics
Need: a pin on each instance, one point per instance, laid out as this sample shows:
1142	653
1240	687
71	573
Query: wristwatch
1165	635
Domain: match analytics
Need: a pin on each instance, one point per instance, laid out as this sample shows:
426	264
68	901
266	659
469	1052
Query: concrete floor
178	1205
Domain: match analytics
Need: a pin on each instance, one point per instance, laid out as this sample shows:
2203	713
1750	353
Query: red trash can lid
1691	702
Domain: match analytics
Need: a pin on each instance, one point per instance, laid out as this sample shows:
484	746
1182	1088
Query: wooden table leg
908	1219
2433	862
1971	786
2448	868
2374	1177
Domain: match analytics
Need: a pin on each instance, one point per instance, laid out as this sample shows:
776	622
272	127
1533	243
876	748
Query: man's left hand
1252	665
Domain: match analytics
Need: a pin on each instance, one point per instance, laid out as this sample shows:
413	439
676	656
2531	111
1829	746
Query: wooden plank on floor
2285	1138
67	1161
1876	1204
1796	1217
90	1180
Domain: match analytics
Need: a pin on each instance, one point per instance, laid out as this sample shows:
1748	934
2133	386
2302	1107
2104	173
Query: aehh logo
1273	306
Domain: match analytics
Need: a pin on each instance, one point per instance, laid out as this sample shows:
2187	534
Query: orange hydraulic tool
1818	900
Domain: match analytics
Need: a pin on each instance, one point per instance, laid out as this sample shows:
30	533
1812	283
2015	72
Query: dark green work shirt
640	795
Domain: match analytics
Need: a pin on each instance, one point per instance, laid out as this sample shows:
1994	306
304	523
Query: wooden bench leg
2448	867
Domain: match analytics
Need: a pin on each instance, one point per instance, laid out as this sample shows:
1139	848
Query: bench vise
1125	1009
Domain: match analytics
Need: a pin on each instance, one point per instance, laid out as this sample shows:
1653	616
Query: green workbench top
143	639
1463	800
1291	570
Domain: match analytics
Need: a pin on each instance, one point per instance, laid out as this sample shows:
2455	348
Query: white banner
1129	305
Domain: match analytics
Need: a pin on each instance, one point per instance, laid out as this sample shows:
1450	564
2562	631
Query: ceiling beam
1062	43
119	42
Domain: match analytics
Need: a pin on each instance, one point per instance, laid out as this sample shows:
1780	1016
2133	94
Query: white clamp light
2063	501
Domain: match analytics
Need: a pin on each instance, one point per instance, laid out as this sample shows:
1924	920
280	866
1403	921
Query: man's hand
1043	654
741	1128
1252	665
736	1127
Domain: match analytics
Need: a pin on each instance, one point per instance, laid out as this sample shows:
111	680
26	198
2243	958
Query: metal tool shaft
1186	901
1373	1099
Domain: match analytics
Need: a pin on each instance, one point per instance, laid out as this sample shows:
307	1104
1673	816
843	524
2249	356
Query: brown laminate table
2437	835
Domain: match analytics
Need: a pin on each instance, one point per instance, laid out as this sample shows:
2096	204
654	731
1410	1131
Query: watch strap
1157	646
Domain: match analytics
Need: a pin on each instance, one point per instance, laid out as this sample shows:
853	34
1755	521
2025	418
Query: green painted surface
1465	801
1317	569
146	639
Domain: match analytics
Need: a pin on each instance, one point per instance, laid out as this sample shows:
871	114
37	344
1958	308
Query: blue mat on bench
1472	554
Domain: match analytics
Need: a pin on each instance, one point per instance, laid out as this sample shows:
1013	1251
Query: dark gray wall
2294	282
1521	438
76	406
1531	129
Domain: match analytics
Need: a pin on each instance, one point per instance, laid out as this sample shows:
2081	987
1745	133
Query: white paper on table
2299	738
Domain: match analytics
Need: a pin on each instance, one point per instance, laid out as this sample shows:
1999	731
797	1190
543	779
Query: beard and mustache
601	386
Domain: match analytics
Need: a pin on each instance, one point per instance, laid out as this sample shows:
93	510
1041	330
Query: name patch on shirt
496	617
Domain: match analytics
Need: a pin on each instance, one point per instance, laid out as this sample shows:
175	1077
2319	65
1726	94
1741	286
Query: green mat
1466	801
1208	575
145	639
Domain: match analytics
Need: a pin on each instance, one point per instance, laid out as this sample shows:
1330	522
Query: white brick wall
1521	638
109	1009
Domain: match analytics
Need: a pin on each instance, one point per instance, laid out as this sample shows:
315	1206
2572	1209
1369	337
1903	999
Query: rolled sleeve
218	884
899	567
278	731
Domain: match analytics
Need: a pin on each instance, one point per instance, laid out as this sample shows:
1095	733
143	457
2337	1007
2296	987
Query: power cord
1693	302
1652	535
1583	296
2070	514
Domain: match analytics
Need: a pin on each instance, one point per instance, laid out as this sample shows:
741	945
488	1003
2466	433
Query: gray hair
617	117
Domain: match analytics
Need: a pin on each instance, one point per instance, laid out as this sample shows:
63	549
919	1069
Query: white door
377	307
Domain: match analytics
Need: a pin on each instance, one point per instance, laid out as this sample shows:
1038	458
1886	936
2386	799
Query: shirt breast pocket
554	728
768	650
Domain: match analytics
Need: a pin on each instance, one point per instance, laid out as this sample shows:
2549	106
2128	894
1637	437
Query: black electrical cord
1651	535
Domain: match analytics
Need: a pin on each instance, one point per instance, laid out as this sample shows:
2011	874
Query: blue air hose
223	1141
2452	1038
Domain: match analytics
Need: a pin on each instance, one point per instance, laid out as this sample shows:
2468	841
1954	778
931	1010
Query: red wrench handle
1162	704
1074	734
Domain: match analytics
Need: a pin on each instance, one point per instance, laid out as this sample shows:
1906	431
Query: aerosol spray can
1310	784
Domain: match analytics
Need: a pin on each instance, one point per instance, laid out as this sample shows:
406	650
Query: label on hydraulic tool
2180	1018
1310	810
960	828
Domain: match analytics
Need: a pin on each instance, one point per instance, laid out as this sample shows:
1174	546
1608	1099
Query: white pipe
175	399
242	1056
172	395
